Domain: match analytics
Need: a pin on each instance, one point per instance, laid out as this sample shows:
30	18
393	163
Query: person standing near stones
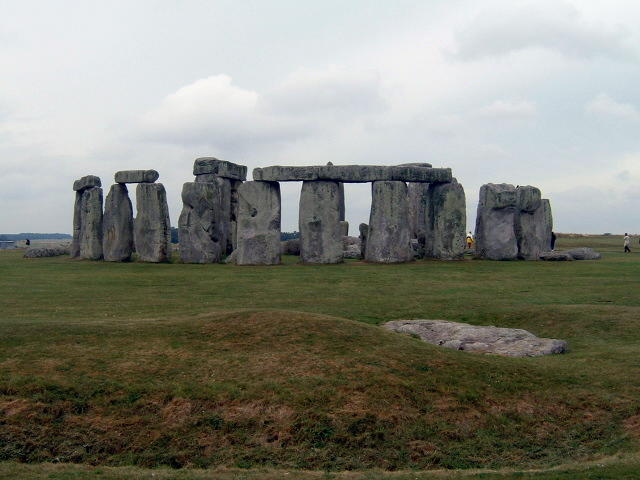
469	240
627	240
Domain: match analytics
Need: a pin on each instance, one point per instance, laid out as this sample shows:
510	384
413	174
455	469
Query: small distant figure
27	242
553	240
470	240
627	241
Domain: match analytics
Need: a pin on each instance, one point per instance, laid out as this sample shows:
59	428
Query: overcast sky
544	93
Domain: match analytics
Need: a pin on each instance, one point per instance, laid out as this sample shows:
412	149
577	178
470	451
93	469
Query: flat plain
216	371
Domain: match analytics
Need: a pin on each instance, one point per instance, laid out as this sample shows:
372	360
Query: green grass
133	366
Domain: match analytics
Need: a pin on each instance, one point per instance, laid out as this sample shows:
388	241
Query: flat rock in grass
584	253
41	252
556	256
510	342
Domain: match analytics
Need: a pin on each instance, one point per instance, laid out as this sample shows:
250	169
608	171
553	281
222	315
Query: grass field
217	371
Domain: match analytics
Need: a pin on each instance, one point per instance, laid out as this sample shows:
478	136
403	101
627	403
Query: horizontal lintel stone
353	174
221	168
88	181
136	176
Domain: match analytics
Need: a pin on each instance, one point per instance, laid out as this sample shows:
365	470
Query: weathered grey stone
448	206
584	253
353	174
136	176
152	227
229	204
388	240
231	258
416	164
319	221
258	224
418	204
347	240
233	224
352	251
202	230
221	168
290	247
74	251
556	256
528	198
91	224
344	228
41	252
88	181
495	222
341	197
548	221
363	228
511	342
117	243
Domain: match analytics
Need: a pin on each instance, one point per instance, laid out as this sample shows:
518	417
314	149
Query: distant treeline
34	236
289	235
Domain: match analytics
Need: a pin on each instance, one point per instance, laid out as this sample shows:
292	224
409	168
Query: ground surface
262	370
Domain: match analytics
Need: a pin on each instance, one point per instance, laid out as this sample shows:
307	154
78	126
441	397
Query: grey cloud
555	26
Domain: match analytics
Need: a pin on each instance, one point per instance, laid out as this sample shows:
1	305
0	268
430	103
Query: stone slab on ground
136	176
41	252
221	168
584	253
353	174
510	342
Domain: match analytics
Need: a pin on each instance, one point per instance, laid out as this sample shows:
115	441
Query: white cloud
606	106
552	25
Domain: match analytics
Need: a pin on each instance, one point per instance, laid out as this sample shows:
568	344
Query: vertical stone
363	228
201	223
529	223
77	226
495	222
152	227
91	224
341	200
388	238
448	205
548	222
233	226
117	243
319	223
344	228
258	224
419	216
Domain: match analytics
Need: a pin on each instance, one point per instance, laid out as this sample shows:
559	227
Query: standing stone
91	224
364	233
420	221
233	224
258	224
74	251
344	229
320	230
530	224
152	228
548	222
201	226
449	215
495	222
388	239
341	199
118	225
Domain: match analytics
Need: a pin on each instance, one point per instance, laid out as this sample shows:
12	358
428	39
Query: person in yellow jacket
470	240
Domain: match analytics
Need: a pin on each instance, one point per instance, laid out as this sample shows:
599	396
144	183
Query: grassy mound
287	389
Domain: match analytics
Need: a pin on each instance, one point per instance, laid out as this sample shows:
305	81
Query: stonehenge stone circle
448	207
202	230
258	224
152	227
136	176
319	223
117	243
353	174
388	239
